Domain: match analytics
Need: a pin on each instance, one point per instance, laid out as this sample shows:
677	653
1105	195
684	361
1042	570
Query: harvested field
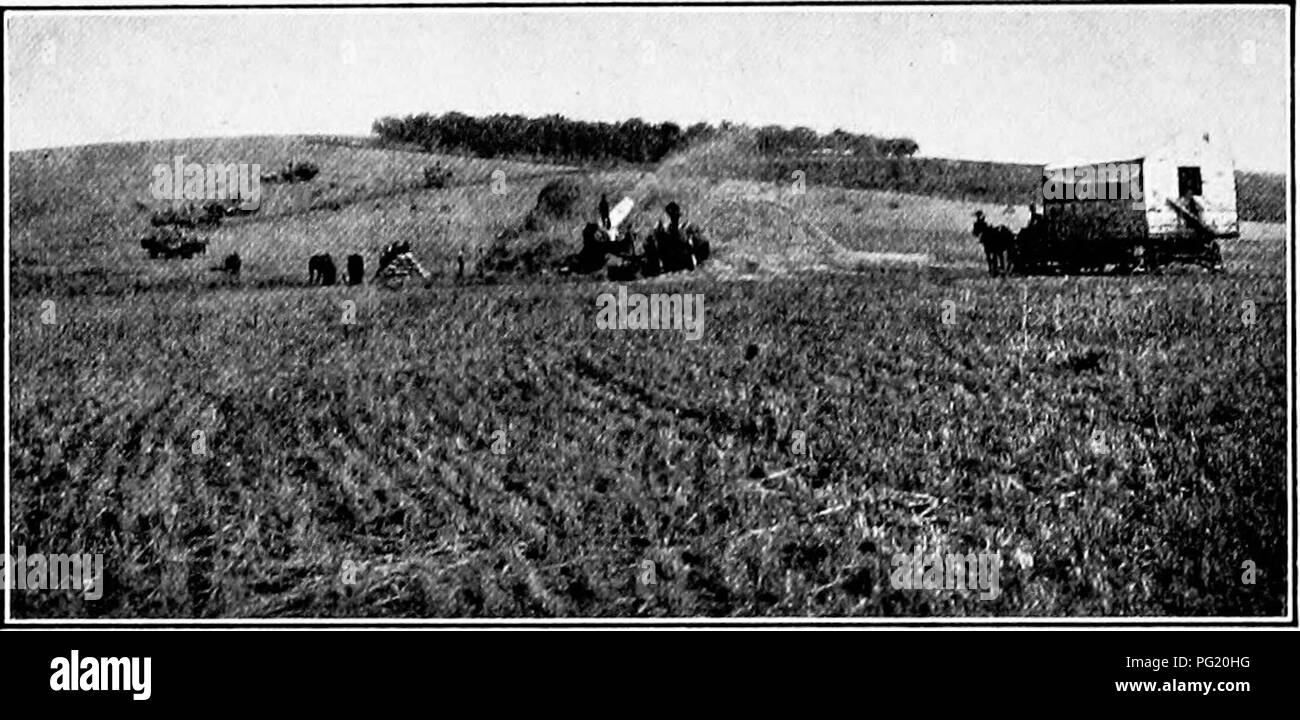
484	450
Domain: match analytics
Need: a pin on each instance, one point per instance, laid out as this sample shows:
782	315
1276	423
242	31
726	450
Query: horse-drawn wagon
1171	205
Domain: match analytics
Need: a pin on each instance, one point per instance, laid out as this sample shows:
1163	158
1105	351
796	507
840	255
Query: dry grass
1132	444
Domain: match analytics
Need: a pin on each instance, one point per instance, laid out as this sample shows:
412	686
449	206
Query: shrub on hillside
293	172
559	198
436	177
304	171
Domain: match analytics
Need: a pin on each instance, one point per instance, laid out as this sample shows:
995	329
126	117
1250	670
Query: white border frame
106	7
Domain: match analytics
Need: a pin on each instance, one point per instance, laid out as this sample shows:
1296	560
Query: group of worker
673	244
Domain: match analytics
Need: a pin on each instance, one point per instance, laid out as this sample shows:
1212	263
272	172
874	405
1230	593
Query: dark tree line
552	136
560	138
777	140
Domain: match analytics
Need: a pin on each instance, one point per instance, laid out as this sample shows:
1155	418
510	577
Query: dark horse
321	268
997	241
356	269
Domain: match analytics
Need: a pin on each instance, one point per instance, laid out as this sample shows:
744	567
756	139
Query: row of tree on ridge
563	139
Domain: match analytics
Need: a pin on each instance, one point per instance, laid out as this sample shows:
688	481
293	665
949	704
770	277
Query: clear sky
1015	84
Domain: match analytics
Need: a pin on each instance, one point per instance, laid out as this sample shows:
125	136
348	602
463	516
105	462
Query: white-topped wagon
1170	204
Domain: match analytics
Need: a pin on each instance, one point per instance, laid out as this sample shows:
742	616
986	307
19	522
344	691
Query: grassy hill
85	208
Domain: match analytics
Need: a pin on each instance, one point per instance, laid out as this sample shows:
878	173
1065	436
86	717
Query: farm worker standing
603	210
673	244
1035	217
674	213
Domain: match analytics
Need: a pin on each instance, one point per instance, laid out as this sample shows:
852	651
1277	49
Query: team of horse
321	270
998	242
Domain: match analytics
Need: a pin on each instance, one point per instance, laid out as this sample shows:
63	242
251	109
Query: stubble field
256	448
